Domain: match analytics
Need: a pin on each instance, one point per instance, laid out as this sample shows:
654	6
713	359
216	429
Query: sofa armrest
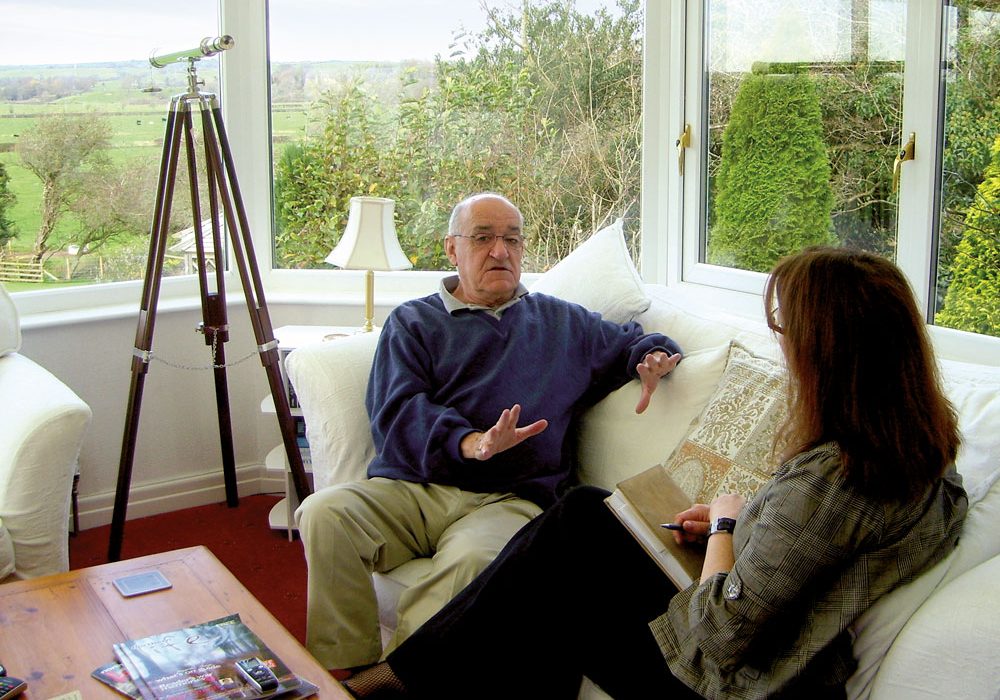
42	424
330	380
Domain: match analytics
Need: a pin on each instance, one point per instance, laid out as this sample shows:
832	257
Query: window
799	120
81	132
434	101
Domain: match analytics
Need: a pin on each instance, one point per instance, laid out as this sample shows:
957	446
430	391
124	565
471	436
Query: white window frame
674	96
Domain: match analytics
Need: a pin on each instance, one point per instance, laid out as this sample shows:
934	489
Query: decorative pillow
615	442
729	447
10	326
598	275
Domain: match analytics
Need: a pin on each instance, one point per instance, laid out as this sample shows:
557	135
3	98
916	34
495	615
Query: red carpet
271	567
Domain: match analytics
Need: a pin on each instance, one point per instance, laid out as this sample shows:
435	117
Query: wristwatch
722	525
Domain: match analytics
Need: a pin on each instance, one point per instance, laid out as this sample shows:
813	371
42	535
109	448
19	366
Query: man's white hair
456	213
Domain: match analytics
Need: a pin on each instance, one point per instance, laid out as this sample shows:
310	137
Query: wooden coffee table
55	630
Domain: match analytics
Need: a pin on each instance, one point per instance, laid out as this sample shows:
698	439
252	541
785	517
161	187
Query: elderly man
471	397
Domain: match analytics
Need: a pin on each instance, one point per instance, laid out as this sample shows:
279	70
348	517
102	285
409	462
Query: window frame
673	95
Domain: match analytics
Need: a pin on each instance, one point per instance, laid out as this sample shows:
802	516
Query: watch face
723	525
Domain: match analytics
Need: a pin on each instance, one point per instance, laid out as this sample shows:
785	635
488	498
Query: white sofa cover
42	424
933	638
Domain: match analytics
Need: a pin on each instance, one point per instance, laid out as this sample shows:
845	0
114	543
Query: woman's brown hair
861	369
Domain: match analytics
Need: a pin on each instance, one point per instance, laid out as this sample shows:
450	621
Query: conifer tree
773	193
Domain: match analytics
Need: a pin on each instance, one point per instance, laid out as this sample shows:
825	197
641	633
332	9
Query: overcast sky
84	31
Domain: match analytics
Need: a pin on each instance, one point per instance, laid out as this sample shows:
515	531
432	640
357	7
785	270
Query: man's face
489	274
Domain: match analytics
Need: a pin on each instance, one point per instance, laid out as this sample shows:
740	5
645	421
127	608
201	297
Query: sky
84	31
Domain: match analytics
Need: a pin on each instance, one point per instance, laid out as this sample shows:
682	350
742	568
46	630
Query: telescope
209	46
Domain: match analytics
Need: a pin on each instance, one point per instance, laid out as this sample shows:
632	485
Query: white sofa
42	424
933	638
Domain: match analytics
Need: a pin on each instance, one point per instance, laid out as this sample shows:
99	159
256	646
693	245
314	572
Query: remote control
259	675
11	687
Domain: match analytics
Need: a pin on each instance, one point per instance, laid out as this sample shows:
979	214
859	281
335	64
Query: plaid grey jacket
812	553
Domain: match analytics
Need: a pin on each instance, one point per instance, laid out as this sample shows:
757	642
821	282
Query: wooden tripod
222	185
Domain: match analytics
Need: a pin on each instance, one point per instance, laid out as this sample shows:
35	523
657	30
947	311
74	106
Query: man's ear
449	249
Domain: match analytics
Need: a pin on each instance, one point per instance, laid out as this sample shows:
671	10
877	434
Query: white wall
177	460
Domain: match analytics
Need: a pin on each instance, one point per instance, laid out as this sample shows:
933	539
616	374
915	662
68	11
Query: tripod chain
149	355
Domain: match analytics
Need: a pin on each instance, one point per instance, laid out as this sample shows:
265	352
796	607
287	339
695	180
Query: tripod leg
239	229
144	329
215	324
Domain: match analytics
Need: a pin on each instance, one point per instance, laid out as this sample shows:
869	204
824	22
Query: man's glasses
487	240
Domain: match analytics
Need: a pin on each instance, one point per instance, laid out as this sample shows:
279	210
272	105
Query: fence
20	270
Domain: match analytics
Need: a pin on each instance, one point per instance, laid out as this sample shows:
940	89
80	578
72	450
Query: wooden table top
55	630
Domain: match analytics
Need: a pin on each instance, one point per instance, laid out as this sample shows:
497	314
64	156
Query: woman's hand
695	523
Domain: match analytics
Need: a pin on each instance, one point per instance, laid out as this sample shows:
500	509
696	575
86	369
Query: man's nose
499	249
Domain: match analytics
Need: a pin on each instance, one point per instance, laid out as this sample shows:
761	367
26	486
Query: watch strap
722	525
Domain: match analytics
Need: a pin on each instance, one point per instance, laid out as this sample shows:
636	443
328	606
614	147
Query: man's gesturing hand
502	436
653	366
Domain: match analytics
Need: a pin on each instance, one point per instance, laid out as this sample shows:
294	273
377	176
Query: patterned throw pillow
729	447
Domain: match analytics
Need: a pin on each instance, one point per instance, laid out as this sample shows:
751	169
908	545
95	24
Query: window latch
905	154
683	141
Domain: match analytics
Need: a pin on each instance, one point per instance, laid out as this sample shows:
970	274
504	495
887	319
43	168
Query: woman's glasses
772	322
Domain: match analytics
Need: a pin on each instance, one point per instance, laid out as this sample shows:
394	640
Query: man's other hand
653	366
502	436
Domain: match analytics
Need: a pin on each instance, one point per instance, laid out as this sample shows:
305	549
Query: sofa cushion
696	325
616	443
10	325
330	381
6	553
729	447
954	635
599	274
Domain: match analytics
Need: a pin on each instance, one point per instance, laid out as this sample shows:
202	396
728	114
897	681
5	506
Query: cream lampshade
369	243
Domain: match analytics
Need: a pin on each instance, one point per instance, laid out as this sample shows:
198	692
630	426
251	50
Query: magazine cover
199	662
115	675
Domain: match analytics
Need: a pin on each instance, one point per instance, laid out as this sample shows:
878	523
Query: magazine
200	662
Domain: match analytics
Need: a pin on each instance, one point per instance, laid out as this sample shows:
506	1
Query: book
642	503
200	662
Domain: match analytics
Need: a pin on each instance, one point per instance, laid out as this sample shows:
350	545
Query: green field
137	121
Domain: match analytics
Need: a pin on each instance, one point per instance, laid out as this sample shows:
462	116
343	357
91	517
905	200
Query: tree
773	192
58	151
7	199
543	105
972	302
116	206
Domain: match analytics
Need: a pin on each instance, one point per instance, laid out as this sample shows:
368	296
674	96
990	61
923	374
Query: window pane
82	117
425	103
804	106
968	279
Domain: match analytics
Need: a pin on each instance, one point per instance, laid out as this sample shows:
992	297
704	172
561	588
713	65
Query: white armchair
42	424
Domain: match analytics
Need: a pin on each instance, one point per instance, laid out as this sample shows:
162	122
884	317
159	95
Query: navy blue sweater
437	377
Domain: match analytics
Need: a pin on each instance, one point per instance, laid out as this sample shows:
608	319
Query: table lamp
369	243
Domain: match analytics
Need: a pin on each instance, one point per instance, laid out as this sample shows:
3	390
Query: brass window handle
905	154
683	141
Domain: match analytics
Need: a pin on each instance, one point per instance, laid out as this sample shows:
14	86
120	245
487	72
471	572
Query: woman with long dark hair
865	498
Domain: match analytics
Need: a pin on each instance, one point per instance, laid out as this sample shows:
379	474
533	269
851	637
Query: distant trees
7	199
58	151
543	105
773	193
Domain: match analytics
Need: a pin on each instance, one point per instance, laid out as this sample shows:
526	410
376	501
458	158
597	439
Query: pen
673	526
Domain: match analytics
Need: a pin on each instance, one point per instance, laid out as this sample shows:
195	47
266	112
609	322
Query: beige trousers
350	530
